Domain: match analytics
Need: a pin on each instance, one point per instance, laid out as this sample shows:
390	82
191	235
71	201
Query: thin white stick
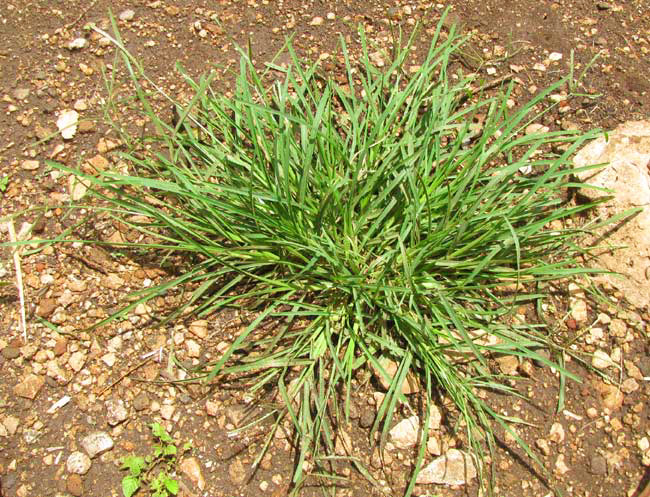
19	280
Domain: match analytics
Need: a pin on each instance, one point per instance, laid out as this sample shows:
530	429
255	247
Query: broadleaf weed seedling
154	471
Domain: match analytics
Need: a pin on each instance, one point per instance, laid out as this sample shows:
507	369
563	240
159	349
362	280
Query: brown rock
611	396
410	384
30	165
75	485
112	281
191	468
86	126
46	308
10	352
60	347
30	386
105	145
237	472
99	163
141	401
199	328
508	364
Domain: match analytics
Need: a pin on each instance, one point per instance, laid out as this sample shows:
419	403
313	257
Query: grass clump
367	221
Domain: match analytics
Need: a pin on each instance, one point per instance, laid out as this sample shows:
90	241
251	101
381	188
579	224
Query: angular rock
10	352
556	434
21	93
127	15
77	44
193	348
46	307
601	360
191	468
30	386
112	281
410	384
199	328
77	187
627	152
433	446
67	124
167	411
611	396
141	401
115	412
578	304
78	463
454	468
11	423
598	465
508	364
212	408
77	361
97	443
405	433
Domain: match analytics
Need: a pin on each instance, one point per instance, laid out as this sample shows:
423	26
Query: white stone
127	15
577	304
77	361
560	466
167	411
405	433
109	359
115	412
78	463
536	128
601	360
193	348
454	468
555	56
67	123
97	443
77	44
556	434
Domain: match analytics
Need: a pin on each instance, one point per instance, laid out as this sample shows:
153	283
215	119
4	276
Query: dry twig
19	279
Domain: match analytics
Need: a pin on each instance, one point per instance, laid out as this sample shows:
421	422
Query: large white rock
627	150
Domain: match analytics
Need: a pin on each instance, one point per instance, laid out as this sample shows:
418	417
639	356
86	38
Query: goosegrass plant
359	221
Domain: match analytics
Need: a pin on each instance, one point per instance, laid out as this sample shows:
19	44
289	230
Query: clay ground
595	447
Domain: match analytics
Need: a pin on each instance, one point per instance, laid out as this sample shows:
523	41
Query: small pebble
127	15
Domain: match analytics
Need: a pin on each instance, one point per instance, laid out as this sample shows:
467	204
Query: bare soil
595	446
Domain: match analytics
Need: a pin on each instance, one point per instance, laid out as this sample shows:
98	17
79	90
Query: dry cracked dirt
73	403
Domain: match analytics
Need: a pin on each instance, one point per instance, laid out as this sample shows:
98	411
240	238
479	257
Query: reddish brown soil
601	451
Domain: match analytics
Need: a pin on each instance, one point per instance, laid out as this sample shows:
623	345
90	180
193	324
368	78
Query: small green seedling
4	182
155	470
